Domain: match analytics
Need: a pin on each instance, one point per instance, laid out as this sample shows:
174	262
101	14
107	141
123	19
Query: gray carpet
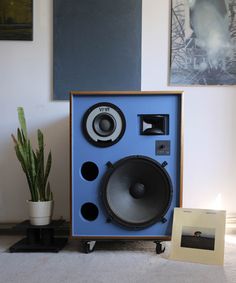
110	262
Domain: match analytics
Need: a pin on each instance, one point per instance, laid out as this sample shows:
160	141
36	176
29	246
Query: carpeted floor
130	262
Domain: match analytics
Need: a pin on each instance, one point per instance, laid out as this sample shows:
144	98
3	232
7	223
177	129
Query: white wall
209	119
26	80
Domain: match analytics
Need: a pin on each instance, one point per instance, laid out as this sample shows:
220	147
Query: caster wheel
159	248
88	247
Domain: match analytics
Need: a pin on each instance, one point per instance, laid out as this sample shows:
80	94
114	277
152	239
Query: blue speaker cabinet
126	173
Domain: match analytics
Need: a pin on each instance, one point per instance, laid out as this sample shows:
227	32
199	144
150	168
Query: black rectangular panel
97	45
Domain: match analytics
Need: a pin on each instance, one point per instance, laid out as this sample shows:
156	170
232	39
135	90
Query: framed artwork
16	19
203	42
198	236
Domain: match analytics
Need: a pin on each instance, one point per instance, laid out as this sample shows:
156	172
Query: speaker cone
104	124
136	192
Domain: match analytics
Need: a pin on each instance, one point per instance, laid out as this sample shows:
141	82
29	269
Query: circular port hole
89	171
89	211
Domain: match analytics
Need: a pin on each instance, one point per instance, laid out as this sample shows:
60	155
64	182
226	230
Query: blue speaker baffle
124	183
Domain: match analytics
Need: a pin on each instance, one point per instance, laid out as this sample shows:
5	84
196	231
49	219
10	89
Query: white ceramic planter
40	212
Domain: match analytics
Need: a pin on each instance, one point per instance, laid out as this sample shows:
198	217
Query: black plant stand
39	238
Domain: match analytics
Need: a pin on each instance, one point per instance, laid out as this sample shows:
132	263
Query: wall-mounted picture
16	19
198	236
203	42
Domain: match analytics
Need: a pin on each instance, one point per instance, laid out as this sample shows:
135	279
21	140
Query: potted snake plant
36	172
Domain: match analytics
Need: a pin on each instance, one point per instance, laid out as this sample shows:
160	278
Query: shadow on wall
13	185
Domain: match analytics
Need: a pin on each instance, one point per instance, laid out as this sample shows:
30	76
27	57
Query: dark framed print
16	19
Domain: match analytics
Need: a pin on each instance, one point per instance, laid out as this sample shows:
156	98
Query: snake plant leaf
31	162
19	136
24	167
35	162
37	194
24	140
40	181
48	168
22	150
40	140
41	152
37	178
14	139
21	117
49	195
20	158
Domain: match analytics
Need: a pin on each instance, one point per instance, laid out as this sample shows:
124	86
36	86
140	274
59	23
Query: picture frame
198	236
16	20
202	43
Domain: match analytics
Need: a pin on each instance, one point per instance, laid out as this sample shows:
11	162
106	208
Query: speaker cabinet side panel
89	216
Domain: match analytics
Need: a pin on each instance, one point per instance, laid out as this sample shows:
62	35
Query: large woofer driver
104	124
136	192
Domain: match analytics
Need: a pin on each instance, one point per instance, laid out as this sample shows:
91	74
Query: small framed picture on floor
198	235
